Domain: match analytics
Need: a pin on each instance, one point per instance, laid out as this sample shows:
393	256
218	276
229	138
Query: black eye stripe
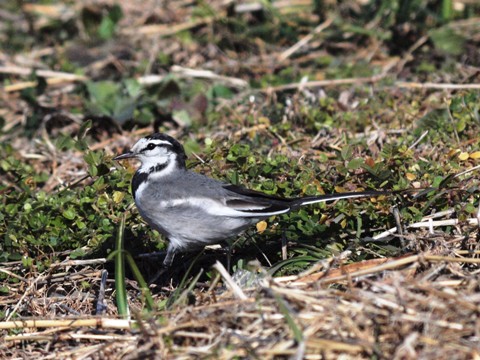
152	146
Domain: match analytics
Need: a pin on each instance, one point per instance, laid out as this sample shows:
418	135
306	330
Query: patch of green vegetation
34	223
101	22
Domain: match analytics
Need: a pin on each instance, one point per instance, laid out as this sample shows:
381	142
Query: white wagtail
193	210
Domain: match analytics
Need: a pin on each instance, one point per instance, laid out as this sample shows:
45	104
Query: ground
291	98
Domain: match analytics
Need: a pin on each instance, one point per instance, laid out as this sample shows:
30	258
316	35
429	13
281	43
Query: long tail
350	195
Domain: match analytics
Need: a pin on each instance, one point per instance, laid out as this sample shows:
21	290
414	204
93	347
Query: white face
153	152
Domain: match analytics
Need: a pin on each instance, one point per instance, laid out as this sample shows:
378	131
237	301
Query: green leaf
77	253
4	290
27	261
70	213
238	151
133	87
102	91
182	117
447	10
355	164
470	208
143	116
221	91
437	181
445	39
120	284
461	124
96	166
103	96
64	142
289	316
346	153
108	24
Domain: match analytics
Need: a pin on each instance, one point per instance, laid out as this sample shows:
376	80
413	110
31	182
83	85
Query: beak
127	155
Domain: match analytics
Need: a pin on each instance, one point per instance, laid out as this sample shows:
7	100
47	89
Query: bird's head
156	152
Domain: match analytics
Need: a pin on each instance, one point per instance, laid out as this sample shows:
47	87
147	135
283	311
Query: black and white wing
251	203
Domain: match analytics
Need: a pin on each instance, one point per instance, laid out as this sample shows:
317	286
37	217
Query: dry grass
419	306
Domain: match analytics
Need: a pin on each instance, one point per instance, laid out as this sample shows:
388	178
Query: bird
192	210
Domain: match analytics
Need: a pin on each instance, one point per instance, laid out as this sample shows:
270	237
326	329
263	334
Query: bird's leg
167	262
284	245
229	257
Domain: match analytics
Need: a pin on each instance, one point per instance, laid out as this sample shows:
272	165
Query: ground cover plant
290	98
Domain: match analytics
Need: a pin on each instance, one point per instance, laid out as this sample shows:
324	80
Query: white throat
158	168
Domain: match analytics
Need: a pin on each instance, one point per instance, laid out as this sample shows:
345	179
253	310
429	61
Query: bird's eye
151	146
